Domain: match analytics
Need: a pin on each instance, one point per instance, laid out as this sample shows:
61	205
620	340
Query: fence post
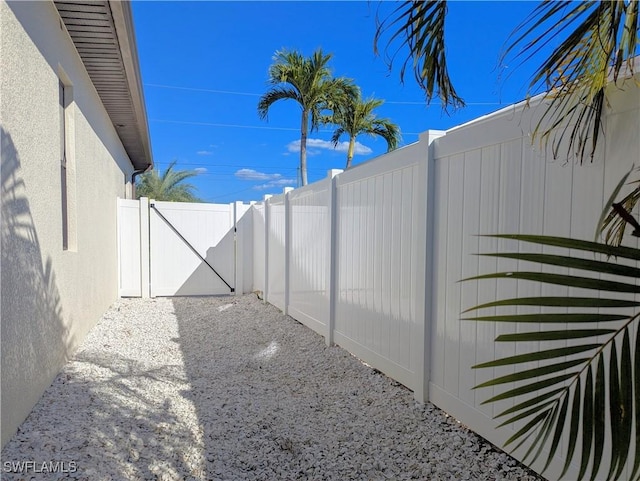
267	218
424	260
287	248
145	248
333	258
238	251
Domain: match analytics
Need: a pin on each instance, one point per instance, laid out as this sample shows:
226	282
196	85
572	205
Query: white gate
179	249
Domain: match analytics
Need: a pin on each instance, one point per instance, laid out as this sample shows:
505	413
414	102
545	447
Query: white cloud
250	174
278	182
359	148
200	170
204	152
271	181
274	184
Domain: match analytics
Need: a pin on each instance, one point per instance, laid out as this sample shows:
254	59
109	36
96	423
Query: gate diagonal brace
153	206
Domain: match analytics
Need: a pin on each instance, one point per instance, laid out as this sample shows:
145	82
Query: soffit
103	34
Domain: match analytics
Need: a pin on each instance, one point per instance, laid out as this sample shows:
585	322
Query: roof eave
104	36
123	21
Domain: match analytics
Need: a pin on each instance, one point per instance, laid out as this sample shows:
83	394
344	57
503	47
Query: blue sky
204	66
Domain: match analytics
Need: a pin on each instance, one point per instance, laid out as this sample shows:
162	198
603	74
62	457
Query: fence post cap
431	135
331	173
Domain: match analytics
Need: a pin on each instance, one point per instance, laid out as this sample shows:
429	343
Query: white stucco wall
50	298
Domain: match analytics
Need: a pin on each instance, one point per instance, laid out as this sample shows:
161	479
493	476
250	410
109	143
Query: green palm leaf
559	302
530	402
563	280
560	335
596	40
355	116
562	416
418	28
615	408
598	417
573	426
543	435
538	356
636	403
579	369
609	221
170	186
587	422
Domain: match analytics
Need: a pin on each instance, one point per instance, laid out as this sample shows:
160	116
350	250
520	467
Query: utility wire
236	126
253	94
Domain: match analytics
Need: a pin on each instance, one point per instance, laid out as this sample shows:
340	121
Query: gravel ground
228	388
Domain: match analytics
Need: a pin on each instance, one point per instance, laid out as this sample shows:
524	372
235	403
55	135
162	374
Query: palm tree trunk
303	146
352	144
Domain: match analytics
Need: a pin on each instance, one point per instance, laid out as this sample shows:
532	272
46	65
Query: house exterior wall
51	297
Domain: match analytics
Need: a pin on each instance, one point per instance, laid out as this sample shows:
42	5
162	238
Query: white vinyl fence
372	258
184	249
310	254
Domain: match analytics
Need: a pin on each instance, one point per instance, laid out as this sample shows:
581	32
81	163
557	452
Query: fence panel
259	246
244	248
488	180
275	232
175	269
378	213
310	250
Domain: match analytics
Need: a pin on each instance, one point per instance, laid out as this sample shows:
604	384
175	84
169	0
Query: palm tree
309	82
595	373
356	117
168	187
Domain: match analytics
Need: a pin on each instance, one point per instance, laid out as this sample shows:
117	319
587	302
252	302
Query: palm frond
418	28
273	96
597	41
609	221
591	385
354	116
171	186
386	129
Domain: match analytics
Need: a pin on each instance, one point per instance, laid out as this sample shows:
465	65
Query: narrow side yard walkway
228	388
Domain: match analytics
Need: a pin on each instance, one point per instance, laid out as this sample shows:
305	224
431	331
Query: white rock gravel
228	388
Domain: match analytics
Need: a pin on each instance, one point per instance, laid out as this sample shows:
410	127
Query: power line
215	166
231	193
229	92
253	94
211	124
237	126
235	166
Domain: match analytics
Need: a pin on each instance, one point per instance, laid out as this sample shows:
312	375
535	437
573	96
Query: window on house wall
63	168
67	167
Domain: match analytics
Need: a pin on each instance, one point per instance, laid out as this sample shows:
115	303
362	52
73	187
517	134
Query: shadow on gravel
112	427
250	383
274	402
